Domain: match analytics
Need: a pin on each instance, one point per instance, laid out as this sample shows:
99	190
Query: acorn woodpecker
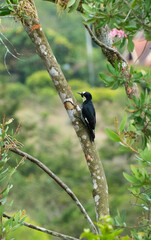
88	114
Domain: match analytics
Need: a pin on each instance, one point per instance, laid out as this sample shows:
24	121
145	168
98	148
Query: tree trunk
36	34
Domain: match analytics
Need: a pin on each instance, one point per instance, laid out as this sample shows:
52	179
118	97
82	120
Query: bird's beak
80	93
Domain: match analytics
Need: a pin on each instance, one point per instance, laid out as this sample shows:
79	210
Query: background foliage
28	97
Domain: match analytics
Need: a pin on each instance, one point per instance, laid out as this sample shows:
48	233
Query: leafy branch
118	136
122	125
106	227
41	229
103	45
6	225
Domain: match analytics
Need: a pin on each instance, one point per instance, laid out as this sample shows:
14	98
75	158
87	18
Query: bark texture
36	34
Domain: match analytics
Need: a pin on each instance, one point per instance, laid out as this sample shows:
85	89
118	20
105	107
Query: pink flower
119	33
113	32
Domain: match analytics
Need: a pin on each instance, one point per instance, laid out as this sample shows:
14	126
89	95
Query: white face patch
84	98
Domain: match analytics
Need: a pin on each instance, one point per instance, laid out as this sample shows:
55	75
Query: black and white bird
88	114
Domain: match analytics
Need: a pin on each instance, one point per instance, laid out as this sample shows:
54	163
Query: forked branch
58	181
103	45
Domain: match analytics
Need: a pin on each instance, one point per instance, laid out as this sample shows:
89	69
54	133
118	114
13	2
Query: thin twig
101	44
139	19
15	50
131	227
44	230
127	15
59	182
7	51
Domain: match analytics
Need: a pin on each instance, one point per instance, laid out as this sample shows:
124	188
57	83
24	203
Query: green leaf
107	79
148	85
120	219
138	80
139	173
111	69
5	12
8	2
70	3
89	21
117	43
115	233
146	197
147	35
89	236
131	179
123	42
15	1
134	2
146	154
116	66
17	217
123	148
130	45
8	223
131	28
74	6
115	85
1	211
134	190
113	135
131	127
87	8
123	123
136	100
138	75
2	144
6	190
148	112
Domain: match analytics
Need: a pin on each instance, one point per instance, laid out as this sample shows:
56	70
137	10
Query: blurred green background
27	95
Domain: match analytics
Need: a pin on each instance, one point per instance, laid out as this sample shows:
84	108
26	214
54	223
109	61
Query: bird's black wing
88	113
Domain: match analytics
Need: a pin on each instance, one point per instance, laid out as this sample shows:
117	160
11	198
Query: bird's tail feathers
91	135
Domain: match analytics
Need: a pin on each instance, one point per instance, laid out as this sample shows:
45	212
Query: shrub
38	80
100	94
77	84
11	96
17	90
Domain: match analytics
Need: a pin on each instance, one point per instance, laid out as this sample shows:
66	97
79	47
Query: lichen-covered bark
36	34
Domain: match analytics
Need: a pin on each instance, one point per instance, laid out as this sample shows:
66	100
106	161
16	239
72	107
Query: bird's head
87	95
